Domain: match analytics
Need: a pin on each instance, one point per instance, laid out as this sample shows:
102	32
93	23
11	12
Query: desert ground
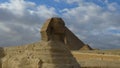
98	58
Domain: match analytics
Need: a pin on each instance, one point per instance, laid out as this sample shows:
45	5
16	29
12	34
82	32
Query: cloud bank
95	24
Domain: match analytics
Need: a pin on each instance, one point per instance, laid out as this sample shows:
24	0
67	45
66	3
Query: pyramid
86	47
72	41
50	52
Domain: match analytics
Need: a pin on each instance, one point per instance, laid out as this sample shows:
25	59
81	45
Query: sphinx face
58	27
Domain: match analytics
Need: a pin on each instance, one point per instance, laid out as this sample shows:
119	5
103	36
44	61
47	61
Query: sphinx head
58	26
54	28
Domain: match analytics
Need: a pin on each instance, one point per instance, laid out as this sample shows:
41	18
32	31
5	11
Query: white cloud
44	11
112	7
20	21
16	6
4	28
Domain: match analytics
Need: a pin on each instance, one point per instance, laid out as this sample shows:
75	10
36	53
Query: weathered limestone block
2	54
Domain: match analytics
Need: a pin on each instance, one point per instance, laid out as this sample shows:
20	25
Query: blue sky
95	22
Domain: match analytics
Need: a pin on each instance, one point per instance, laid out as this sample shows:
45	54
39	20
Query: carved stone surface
2	54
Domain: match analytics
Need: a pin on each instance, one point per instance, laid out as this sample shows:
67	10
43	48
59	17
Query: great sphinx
55	28
53	51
